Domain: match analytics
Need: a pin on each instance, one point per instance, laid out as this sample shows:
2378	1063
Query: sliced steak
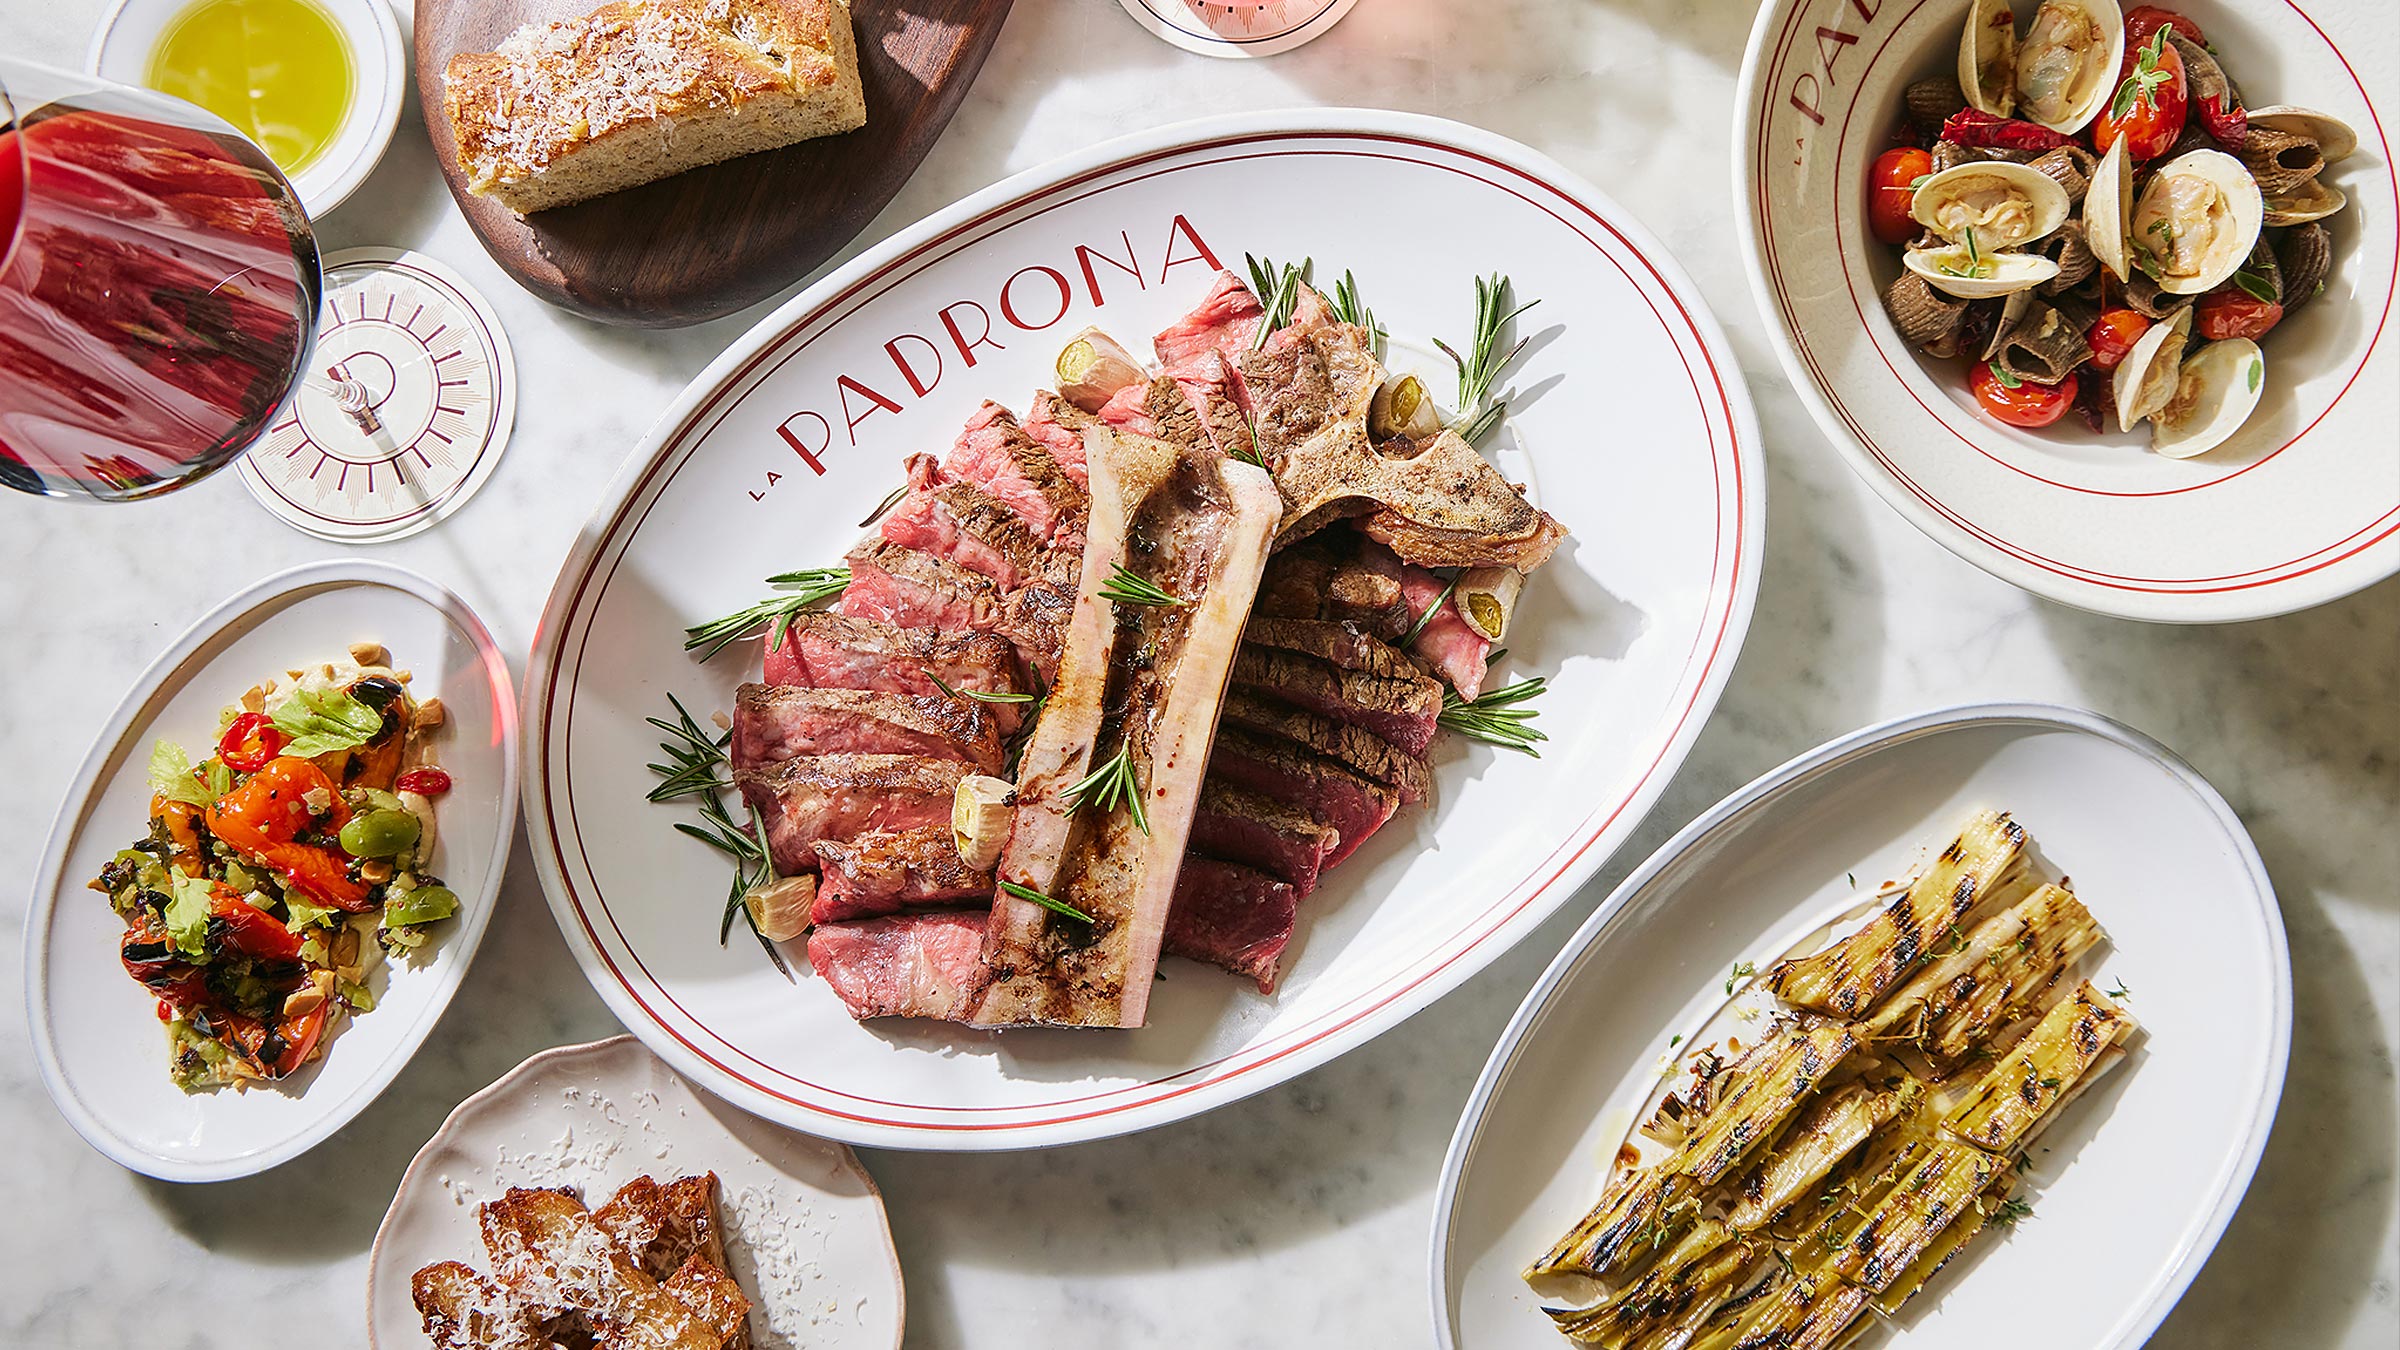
779	722
1177	421
963	523
1057	426
1342	575
1232	917
995	454
1353	747
1257	831
1128	410
1138	681
911	965
836	651
885	871
1329	793
910	588
1443	641
818	797
1034	618
1225	321
1346	675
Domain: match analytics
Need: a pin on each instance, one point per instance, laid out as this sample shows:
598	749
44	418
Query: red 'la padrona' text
955	337
1808	86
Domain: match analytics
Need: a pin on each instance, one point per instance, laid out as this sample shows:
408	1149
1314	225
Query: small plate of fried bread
591	1199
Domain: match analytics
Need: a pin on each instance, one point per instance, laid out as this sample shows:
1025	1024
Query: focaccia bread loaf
640	89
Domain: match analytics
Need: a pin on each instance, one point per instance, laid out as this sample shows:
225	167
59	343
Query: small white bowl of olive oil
316	83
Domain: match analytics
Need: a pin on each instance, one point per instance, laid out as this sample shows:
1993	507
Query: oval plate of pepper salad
272	871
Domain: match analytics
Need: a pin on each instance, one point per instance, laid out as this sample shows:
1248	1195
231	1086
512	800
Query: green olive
379	834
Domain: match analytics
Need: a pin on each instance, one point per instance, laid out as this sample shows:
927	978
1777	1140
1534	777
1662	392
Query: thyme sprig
1111	785
1494	718
774	613
694	758
1054	906
1127	587
1478	411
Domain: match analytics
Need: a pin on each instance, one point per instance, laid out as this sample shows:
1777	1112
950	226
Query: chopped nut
254	699
723	722
345	949
370	654
307	998
431	714
375	871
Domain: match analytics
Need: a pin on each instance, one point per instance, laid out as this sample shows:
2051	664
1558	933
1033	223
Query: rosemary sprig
980	695
1478	412
1430	610
1493	717
694	758
1054	906
890	500
1129	588
1277	288
1110	786
775	612
1347	308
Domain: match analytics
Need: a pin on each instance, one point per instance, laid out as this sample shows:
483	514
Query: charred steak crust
827	650
818	797
1400	710
884	871
1331	795
1353	747
779	722
1257	831
1177	421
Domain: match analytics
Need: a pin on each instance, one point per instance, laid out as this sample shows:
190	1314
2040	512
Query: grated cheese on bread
641	89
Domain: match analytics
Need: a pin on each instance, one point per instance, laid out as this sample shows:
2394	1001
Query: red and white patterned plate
1642	442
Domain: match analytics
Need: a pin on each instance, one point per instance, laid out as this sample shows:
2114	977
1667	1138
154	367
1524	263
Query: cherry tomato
426	782
2143	20
2150	104
2235	314
249	742
1891	187
2113	335
2020	403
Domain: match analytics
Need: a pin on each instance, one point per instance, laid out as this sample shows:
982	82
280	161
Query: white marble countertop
1298	1216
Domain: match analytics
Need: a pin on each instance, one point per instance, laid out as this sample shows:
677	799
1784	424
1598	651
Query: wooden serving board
705	243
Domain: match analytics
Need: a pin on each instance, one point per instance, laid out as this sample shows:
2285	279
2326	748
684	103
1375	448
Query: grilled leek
1944	1182
1776	1078
1849	978
1641	1213
2024	1090
1961	1231
2001	974
1682	1287
1823	1135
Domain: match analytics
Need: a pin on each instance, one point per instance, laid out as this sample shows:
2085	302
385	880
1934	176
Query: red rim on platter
1647	450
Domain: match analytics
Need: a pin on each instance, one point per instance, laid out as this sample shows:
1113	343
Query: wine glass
159	288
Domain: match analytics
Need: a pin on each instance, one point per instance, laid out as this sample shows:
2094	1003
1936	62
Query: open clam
2310	200
2002	205
1971	272
2147	379
2335	140
1987	57
2066	62
2108	210
2195	221
2215	393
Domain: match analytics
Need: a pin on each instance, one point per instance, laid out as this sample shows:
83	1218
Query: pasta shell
1931	102
1927	319
2305	255
2333	136
2279	160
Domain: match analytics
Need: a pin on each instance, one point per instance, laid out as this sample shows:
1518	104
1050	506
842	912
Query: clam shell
2334	138
2012	313
2005	273
2311	200
2045	203
2108	210
2067	60
1987	60
2146	379
2215	392
2224	247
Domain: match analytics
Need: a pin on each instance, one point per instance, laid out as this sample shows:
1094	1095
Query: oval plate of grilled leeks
1964	1030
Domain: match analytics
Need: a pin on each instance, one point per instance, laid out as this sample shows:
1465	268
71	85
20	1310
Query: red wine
158	294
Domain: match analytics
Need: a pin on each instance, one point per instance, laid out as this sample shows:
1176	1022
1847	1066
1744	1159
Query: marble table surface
1300	1215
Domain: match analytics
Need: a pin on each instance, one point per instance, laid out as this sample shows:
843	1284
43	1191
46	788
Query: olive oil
279	70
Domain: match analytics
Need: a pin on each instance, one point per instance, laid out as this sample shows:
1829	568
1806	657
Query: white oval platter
2300	507
2132	1189
805	1231
1634	429
96	1035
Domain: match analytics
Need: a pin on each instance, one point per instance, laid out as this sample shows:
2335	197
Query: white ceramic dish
96	1035
1635	622
121	47
2130	1191
805	1230
2301	506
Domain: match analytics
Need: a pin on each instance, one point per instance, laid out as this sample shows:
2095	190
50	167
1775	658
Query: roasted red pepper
264	816
426	782
239	927
1981	130
250	742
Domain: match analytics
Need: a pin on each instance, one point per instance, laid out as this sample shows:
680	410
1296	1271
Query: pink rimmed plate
2302	506
1632	427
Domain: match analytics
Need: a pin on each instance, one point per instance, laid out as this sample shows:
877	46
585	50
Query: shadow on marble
523	995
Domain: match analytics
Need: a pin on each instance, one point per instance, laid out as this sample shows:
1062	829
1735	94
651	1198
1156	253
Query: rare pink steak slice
909	965
1232	918
818	797
779	722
